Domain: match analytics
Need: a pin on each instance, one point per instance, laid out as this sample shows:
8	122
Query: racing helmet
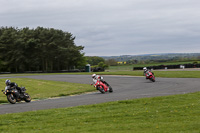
93	75
7	81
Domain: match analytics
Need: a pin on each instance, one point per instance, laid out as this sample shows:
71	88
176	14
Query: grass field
178	113
40	89
130	67
166	74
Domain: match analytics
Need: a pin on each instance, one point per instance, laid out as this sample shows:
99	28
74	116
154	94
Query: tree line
97	63
39	49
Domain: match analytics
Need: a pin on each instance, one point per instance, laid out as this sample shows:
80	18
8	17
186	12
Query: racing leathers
13	85
98	77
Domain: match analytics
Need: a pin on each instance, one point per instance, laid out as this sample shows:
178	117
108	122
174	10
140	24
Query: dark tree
40	49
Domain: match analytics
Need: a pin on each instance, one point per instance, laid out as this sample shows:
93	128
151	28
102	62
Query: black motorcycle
13	95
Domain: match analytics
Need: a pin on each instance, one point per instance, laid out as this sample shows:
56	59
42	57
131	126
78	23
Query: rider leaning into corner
10	84
98	77
146	71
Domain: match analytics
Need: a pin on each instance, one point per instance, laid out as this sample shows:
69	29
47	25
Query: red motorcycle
150	76
102	86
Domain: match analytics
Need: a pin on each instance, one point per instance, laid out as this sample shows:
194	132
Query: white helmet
144	68
93	75
7	81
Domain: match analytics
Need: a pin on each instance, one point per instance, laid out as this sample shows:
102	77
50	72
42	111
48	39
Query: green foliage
40	49
111	62
102	65
151	58
94	60
178	113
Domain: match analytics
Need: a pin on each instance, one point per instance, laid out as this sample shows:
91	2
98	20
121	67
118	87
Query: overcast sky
113	27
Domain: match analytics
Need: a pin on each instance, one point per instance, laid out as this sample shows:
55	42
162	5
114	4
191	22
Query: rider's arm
99	77
94	81
12	84
7	87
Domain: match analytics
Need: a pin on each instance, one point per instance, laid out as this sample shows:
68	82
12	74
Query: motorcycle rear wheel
11	98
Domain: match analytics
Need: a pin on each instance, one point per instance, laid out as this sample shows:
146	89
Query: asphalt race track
124	87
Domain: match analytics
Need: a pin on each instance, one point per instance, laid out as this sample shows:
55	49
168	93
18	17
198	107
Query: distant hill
158	57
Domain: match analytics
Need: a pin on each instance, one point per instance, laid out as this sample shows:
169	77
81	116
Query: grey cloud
113	27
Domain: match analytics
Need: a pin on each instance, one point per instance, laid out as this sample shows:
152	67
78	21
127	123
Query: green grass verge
40	89
130	67
177	74
166	74
177	113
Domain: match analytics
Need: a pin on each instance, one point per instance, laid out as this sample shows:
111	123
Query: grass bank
166	74
130	67
40	89
177	113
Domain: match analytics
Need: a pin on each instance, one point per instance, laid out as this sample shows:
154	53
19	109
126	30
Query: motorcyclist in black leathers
10	84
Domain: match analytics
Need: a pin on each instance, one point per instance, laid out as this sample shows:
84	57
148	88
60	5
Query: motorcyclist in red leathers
98	77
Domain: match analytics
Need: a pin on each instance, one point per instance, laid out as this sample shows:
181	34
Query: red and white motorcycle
102	86
150	75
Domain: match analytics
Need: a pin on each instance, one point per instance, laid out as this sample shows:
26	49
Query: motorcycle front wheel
11	98
153	79
101	89
27	97
110	89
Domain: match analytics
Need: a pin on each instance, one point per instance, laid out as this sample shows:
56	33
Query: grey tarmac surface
124	87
